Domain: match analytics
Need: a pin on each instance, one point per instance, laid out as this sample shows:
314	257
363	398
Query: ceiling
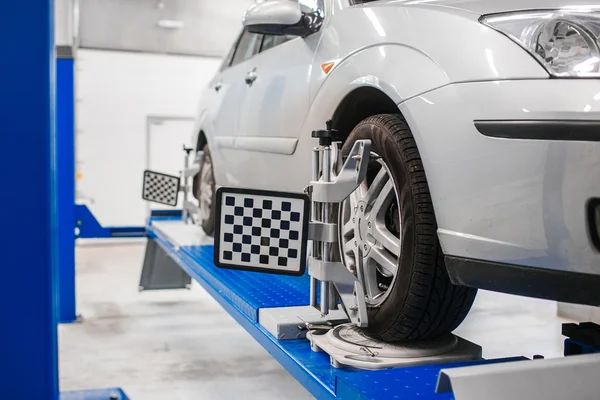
192	27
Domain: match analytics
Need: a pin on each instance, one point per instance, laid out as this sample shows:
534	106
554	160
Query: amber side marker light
327	67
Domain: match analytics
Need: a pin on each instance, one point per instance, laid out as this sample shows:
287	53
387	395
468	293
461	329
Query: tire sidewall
208	224
383	143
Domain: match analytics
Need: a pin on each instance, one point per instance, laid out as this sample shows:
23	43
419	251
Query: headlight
566	43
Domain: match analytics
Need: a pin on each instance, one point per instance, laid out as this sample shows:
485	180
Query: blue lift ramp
243	293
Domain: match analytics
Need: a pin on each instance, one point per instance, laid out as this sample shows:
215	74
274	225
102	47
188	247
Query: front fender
399	71
407	50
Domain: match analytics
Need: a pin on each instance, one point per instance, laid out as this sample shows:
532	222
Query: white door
166	138
225	115
276	107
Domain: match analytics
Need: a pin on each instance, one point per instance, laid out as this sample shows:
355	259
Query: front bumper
516	200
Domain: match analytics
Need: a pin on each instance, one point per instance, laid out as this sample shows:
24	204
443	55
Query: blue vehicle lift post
64	173
38	199
28	336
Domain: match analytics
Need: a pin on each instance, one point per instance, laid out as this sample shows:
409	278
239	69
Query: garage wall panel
115	94
207	27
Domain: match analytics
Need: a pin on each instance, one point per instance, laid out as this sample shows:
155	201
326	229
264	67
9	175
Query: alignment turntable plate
348	345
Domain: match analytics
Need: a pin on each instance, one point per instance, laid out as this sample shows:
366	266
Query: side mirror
278	17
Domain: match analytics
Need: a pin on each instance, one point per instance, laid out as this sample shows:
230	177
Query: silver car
485	116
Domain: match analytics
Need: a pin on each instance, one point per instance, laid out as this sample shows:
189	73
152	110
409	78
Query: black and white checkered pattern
160	188
261	231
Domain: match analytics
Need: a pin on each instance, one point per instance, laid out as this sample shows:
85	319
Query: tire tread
434	306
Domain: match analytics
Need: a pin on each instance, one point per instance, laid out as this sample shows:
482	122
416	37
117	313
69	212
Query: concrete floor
182	345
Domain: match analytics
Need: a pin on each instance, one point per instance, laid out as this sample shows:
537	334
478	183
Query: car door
224	122
270	123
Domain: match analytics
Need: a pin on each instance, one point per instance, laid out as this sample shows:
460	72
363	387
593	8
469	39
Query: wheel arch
361	103
373	80
367	101
201	140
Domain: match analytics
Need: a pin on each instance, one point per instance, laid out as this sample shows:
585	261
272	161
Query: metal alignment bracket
322	232
352	173
327	190
189	209
164	189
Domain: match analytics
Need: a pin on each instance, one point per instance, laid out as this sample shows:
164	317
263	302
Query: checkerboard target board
261	231
160	188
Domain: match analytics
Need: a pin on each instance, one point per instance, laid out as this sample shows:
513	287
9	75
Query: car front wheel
204	192
388	226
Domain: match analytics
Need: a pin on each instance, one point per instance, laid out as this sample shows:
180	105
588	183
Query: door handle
218	86
251	77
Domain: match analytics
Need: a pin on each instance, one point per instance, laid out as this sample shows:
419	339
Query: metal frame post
153	120
326	177
65	181
28	336
315	213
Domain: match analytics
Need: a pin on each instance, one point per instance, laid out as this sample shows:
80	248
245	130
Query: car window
271	41
248	45
227	60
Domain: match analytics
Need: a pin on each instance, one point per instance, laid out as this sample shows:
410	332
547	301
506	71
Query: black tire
422	302
205	177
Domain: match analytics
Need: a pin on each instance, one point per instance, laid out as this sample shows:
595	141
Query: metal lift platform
242	294
279	308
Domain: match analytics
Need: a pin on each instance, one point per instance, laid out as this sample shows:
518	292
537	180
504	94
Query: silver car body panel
505	200
512	201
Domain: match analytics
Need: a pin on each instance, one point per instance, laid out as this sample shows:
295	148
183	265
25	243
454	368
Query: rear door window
271	41
227	60
248	46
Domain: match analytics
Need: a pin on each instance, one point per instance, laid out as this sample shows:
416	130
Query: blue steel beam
243	293
96	394
293	355
65	182
28	336
89	227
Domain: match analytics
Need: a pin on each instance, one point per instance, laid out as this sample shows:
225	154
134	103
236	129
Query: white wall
115	92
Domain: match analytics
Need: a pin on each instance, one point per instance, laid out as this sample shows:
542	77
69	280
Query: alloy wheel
370	231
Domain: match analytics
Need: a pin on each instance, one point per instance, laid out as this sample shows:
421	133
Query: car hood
482	7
